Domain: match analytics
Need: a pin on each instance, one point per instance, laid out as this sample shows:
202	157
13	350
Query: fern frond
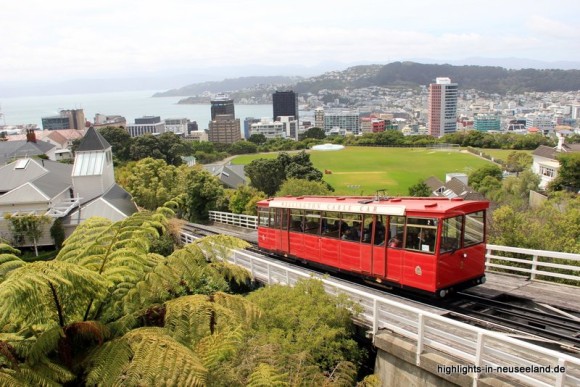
267	375
231	272
218	247
45	344
145	356
216	348
343	374
9	262
11	378
48	293
7	249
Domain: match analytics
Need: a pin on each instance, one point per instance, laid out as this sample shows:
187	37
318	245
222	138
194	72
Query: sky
61	40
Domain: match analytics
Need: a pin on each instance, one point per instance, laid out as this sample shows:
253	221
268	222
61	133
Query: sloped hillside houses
72	193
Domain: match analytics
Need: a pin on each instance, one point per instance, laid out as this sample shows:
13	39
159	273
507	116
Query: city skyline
65	40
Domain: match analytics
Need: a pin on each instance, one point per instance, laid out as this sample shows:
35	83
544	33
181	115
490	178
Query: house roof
13	149
49	177
120	199
552	153
93	141
230	175
452	188
68	134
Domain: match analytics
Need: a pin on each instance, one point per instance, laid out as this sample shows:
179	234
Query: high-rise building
319	117
146	125
285	103
222	105
225	129
345	120
487	122
67	119
442	107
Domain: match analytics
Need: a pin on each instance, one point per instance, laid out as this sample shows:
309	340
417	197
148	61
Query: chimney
560	142
30	135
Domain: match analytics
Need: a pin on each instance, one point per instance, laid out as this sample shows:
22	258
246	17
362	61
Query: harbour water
129	104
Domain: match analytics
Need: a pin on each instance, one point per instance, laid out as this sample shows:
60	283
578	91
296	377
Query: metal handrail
470	344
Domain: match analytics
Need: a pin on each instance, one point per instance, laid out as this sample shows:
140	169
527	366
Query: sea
129	104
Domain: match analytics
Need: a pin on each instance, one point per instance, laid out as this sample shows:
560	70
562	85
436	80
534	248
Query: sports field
364	170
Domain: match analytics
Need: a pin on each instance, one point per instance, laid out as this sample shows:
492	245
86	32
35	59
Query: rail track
549	329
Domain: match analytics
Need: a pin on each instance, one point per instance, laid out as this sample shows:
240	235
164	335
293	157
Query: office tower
285	103
222	105
442	107
225	129
319	117
67	119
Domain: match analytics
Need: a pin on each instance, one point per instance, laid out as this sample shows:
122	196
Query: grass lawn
364	170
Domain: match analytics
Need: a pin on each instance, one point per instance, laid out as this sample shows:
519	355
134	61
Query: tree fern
145	356
47	294
266	375
9	262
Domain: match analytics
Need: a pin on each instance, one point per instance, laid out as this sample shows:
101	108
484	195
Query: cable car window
296	220
283	214
474	228
275	218
451	234
396	231
351	227
311	222
421	234
367	230
263	217
330	224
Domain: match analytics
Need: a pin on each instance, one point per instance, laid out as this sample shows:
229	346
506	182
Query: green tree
477	176
203	194
265	175
152	182
27	226
314	132
257	138
242	147
420	189
145	146
120	141
518	161
300	187
243	200
172	148
569	172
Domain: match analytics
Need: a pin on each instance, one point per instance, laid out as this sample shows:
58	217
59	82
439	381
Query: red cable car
431	245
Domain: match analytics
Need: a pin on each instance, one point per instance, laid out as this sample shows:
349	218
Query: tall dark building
222	105
285	103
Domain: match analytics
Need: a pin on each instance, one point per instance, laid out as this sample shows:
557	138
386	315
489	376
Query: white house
546	162
72	193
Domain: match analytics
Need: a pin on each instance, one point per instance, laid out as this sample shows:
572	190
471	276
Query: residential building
70	192
221	105
269	129
455	186
545	160
290	126
248	121
346	120
231	176
224	129
113	121
486	122
67	119
285	103
442	104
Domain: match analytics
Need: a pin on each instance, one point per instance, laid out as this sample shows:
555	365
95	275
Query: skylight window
21	163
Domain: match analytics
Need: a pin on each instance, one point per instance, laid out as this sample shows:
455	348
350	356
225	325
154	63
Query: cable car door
282	222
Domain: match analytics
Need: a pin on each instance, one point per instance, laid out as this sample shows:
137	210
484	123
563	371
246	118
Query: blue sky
65	39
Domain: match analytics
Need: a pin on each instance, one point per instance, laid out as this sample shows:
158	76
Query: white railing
471	345
530	266
240	220
534	262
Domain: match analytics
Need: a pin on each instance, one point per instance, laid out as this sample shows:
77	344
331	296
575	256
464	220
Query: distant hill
228	85
488	79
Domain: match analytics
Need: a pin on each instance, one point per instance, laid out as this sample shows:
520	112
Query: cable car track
537	326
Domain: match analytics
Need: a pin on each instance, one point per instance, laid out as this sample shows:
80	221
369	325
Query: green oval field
364	170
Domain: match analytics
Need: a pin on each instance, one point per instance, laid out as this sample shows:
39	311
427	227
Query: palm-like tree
83	317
